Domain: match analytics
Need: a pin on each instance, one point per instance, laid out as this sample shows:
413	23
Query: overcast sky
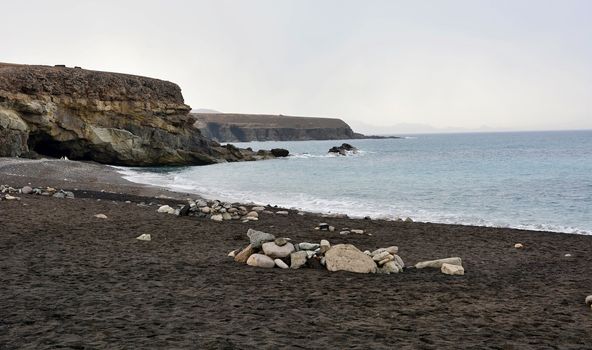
502	64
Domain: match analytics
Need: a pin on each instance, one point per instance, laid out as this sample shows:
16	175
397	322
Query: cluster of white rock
267	251
344	231
219	211
9	193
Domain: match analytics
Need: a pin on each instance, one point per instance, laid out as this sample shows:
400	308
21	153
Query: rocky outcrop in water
224	127
105	117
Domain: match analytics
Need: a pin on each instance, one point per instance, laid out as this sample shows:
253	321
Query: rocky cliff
257	127
106	117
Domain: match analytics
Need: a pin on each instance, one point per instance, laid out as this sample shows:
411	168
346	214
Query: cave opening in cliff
45	145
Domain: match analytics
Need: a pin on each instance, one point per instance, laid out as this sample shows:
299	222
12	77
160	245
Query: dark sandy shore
69	280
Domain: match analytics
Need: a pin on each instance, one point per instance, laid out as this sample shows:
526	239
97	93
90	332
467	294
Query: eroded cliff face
106	117
224	127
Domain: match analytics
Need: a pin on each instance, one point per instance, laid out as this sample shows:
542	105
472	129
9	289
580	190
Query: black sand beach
70	280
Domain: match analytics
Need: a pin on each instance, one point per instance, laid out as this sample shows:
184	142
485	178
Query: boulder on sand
346	257
257	238
450	269
275	251
298	259
260	260
244	254
438	263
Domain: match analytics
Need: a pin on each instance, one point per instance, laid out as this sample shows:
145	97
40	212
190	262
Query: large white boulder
346	257
450	269
260	260
275	251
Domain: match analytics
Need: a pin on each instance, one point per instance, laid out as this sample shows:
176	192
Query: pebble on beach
144	237
100	216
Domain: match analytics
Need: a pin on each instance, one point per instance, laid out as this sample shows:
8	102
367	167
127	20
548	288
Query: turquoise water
531	180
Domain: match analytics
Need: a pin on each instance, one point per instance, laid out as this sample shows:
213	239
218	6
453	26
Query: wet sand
69	280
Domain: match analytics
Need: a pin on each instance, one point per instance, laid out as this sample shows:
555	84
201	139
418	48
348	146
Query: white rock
232	254
252	214
346	257
589	300
205	210
389	267
144	237
298	259
308	246
450	269
275	251
282	212
217	217
518	246
399	261
258	209
325	246
166	209
11	198
100	216
381	256
360	232
226	216
260	260
344	232
438	263
282	265
26	190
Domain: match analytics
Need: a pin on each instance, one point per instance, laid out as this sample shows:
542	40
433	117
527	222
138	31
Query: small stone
26	190
344	232
385	260
144	237
205	210
11	198
100	216
281	264
282	212
450	269
274	251
252	214
69	194
226	216
298	259
399	261
438	263
257	238
244	254
325	246
185	210
367	252
59	195
164	209
232	254
258	209
381	255
323	261
589	300
323	226
281	241
232	210
217	217
331	228
389	267
308	246
567	255
408	219
518	246
260	260
360	232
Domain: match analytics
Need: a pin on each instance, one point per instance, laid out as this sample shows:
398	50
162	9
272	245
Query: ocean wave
349	206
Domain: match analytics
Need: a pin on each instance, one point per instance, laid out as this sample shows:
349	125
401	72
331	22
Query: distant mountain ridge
233	127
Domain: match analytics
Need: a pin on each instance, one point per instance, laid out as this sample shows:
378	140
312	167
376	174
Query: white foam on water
305	202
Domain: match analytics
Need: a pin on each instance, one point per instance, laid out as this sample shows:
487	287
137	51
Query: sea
525	180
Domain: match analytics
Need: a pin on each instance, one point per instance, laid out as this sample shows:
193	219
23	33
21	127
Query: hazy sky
503	64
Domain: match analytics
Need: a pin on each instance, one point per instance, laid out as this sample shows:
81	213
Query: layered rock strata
105	117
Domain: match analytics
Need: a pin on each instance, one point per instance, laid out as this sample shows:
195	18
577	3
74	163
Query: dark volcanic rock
106	117
280	152
343	149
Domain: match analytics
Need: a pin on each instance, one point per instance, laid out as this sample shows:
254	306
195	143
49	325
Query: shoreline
70	279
